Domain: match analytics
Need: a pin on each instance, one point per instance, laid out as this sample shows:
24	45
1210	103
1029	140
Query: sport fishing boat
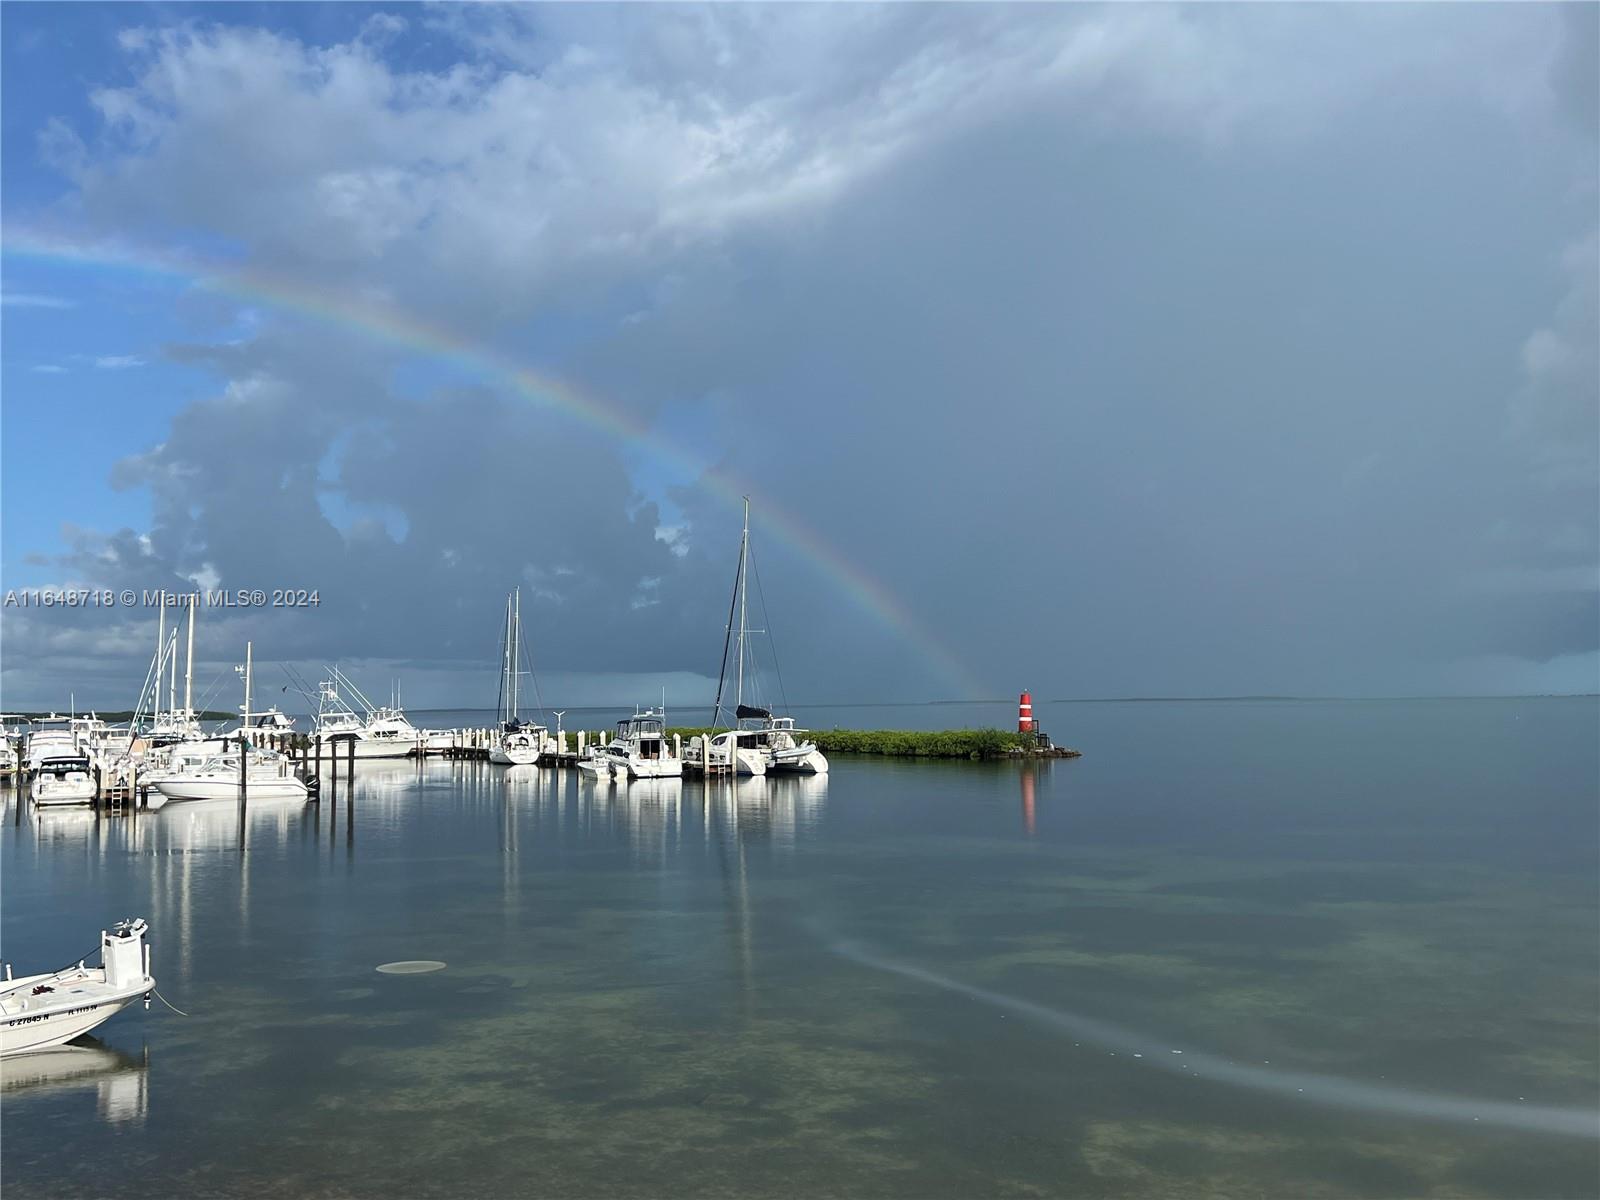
520	741
377	732
640	750
37	1011
63	779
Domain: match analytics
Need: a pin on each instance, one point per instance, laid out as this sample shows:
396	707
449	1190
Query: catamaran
758	742
37	1011
520	741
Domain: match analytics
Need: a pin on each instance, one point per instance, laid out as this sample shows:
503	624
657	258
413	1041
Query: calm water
904	980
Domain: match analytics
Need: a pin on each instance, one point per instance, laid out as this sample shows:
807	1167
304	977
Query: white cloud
577	143
49	369
117	362
33	300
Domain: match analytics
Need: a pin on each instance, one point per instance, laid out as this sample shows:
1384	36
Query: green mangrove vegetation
912	743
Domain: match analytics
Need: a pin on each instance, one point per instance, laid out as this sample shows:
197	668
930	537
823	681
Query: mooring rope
169	1004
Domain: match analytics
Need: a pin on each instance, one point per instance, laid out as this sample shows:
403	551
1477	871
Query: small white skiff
45	1010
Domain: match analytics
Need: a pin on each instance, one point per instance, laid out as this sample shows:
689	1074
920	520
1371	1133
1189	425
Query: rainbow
390	326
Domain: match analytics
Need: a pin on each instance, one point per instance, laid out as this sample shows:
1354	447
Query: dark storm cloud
1136	351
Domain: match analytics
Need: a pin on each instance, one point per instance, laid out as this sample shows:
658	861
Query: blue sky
1107	350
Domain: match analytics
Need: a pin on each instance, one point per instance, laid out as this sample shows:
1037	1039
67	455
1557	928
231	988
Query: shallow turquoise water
910	979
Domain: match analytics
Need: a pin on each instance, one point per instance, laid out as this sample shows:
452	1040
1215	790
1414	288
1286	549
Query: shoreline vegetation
981	744
123	714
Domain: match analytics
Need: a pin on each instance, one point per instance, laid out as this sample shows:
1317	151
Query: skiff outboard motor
125	954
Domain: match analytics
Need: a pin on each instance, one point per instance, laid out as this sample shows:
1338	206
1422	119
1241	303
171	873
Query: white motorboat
596	765
13	736
37	1011
640	749
52	737
268	776
63	779
521	742
776	741
259	728
713	753
438	741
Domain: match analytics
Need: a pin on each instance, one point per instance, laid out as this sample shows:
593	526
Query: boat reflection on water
781	809
215	824
121	1081
61	827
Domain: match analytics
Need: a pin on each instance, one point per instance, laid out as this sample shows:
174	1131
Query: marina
800	602
756	984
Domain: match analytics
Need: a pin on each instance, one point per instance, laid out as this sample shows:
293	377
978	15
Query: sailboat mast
516	655
161	657
744	593
248	663
188	667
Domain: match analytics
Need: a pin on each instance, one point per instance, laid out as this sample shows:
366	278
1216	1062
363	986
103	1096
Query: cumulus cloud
1154	341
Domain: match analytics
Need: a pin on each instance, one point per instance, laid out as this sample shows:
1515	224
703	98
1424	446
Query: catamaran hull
37	1031
811	762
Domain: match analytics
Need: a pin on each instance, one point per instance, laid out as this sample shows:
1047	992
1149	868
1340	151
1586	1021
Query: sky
1102	351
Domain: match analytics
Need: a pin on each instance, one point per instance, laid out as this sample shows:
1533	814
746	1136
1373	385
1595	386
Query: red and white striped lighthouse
1025	722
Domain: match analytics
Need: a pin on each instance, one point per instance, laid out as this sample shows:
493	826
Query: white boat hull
21	1034
808	762
650	768
39	1011
372	748
273	788
47	792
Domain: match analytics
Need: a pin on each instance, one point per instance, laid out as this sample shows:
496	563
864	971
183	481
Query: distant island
125	714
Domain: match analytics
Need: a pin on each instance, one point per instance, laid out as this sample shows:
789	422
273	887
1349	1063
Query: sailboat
175	725
759	742
520	742
268	774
